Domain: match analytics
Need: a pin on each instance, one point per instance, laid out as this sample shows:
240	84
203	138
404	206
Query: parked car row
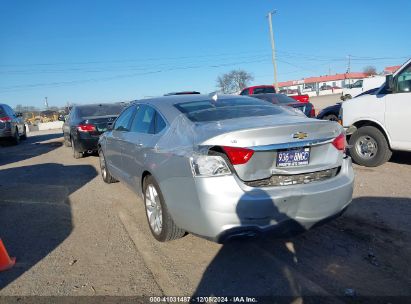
227	166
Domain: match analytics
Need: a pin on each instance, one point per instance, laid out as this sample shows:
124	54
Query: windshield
100	110
357	84
207	110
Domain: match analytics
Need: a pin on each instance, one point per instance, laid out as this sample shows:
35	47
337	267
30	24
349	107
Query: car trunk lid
287	134
99	122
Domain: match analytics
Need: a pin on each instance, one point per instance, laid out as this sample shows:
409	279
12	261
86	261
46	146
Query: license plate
101	127
293	158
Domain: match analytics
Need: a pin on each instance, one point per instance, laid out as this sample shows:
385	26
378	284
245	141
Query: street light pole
270	22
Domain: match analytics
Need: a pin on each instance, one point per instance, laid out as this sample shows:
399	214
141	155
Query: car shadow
363	253
402	158
31	147
35	211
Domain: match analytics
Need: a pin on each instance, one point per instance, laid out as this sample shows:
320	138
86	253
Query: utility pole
46	104
349	64
270	22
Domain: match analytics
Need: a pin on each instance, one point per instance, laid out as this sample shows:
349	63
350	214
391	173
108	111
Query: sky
87	51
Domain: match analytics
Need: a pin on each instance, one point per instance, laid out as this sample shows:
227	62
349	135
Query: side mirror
110	126
389	83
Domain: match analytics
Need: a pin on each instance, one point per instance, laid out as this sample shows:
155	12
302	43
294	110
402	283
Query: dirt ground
74	235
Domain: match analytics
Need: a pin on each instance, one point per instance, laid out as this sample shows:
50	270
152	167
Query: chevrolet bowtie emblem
300	135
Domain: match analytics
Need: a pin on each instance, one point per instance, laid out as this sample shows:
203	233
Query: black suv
85	123
12	126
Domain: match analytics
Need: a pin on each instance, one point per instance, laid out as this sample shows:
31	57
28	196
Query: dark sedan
307	108
86	123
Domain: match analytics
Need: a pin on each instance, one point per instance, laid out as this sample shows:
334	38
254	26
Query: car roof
261	86
97	104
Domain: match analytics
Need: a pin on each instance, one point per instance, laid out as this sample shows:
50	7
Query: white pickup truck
379	123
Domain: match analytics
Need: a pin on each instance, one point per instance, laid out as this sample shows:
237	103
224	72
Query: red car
263	89
260	89
301	98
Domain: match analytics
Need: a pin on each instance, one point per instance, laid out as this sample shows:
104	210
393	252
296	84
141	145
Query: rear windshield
284	99
2	112
208	110
276	98
100	110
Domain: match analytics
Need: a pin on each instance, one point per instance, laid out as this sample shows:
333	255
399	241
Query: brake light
238	156
339	142
5	119
312	112
86	128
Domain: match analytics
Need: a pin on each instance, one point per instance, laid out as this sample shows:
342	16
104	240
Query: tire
105	174
67	143
369	147
24	135
331	117
76	154
16	137
167	229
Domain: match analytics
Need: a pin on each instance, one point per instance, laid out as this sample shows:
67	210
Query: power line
72	82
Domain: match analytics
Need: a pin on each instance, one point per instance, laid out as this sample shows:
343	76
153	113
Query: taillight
5	119
312	112
339	142
86	128
238	156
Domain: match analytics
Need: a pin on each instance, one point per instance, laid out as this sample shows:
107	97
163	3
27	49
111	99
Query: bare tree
234	81
370	70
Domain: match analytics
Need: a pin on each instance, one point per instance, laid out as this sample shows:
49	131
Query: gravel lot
74	235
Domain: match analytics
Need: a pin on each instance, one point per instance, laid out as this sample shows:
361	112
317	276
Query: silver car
224	166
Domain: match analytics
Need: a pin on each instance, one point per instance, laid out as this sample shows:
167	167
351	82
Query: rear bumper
86	144
5	133
226	207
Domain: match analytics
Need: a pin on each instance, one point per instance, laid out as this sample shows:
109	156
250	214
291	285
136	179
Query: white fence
50	125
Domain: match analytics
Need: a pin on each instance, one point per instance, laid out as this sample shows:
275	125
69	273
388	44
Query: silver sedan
226	166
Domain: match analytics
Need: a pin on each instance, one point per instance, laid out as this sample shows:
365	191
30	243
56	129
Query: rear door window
124	120
144	120
160	124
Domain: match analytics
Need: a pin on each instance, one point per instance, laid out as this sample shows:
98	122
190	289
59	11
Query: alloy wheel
153	209
103	165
